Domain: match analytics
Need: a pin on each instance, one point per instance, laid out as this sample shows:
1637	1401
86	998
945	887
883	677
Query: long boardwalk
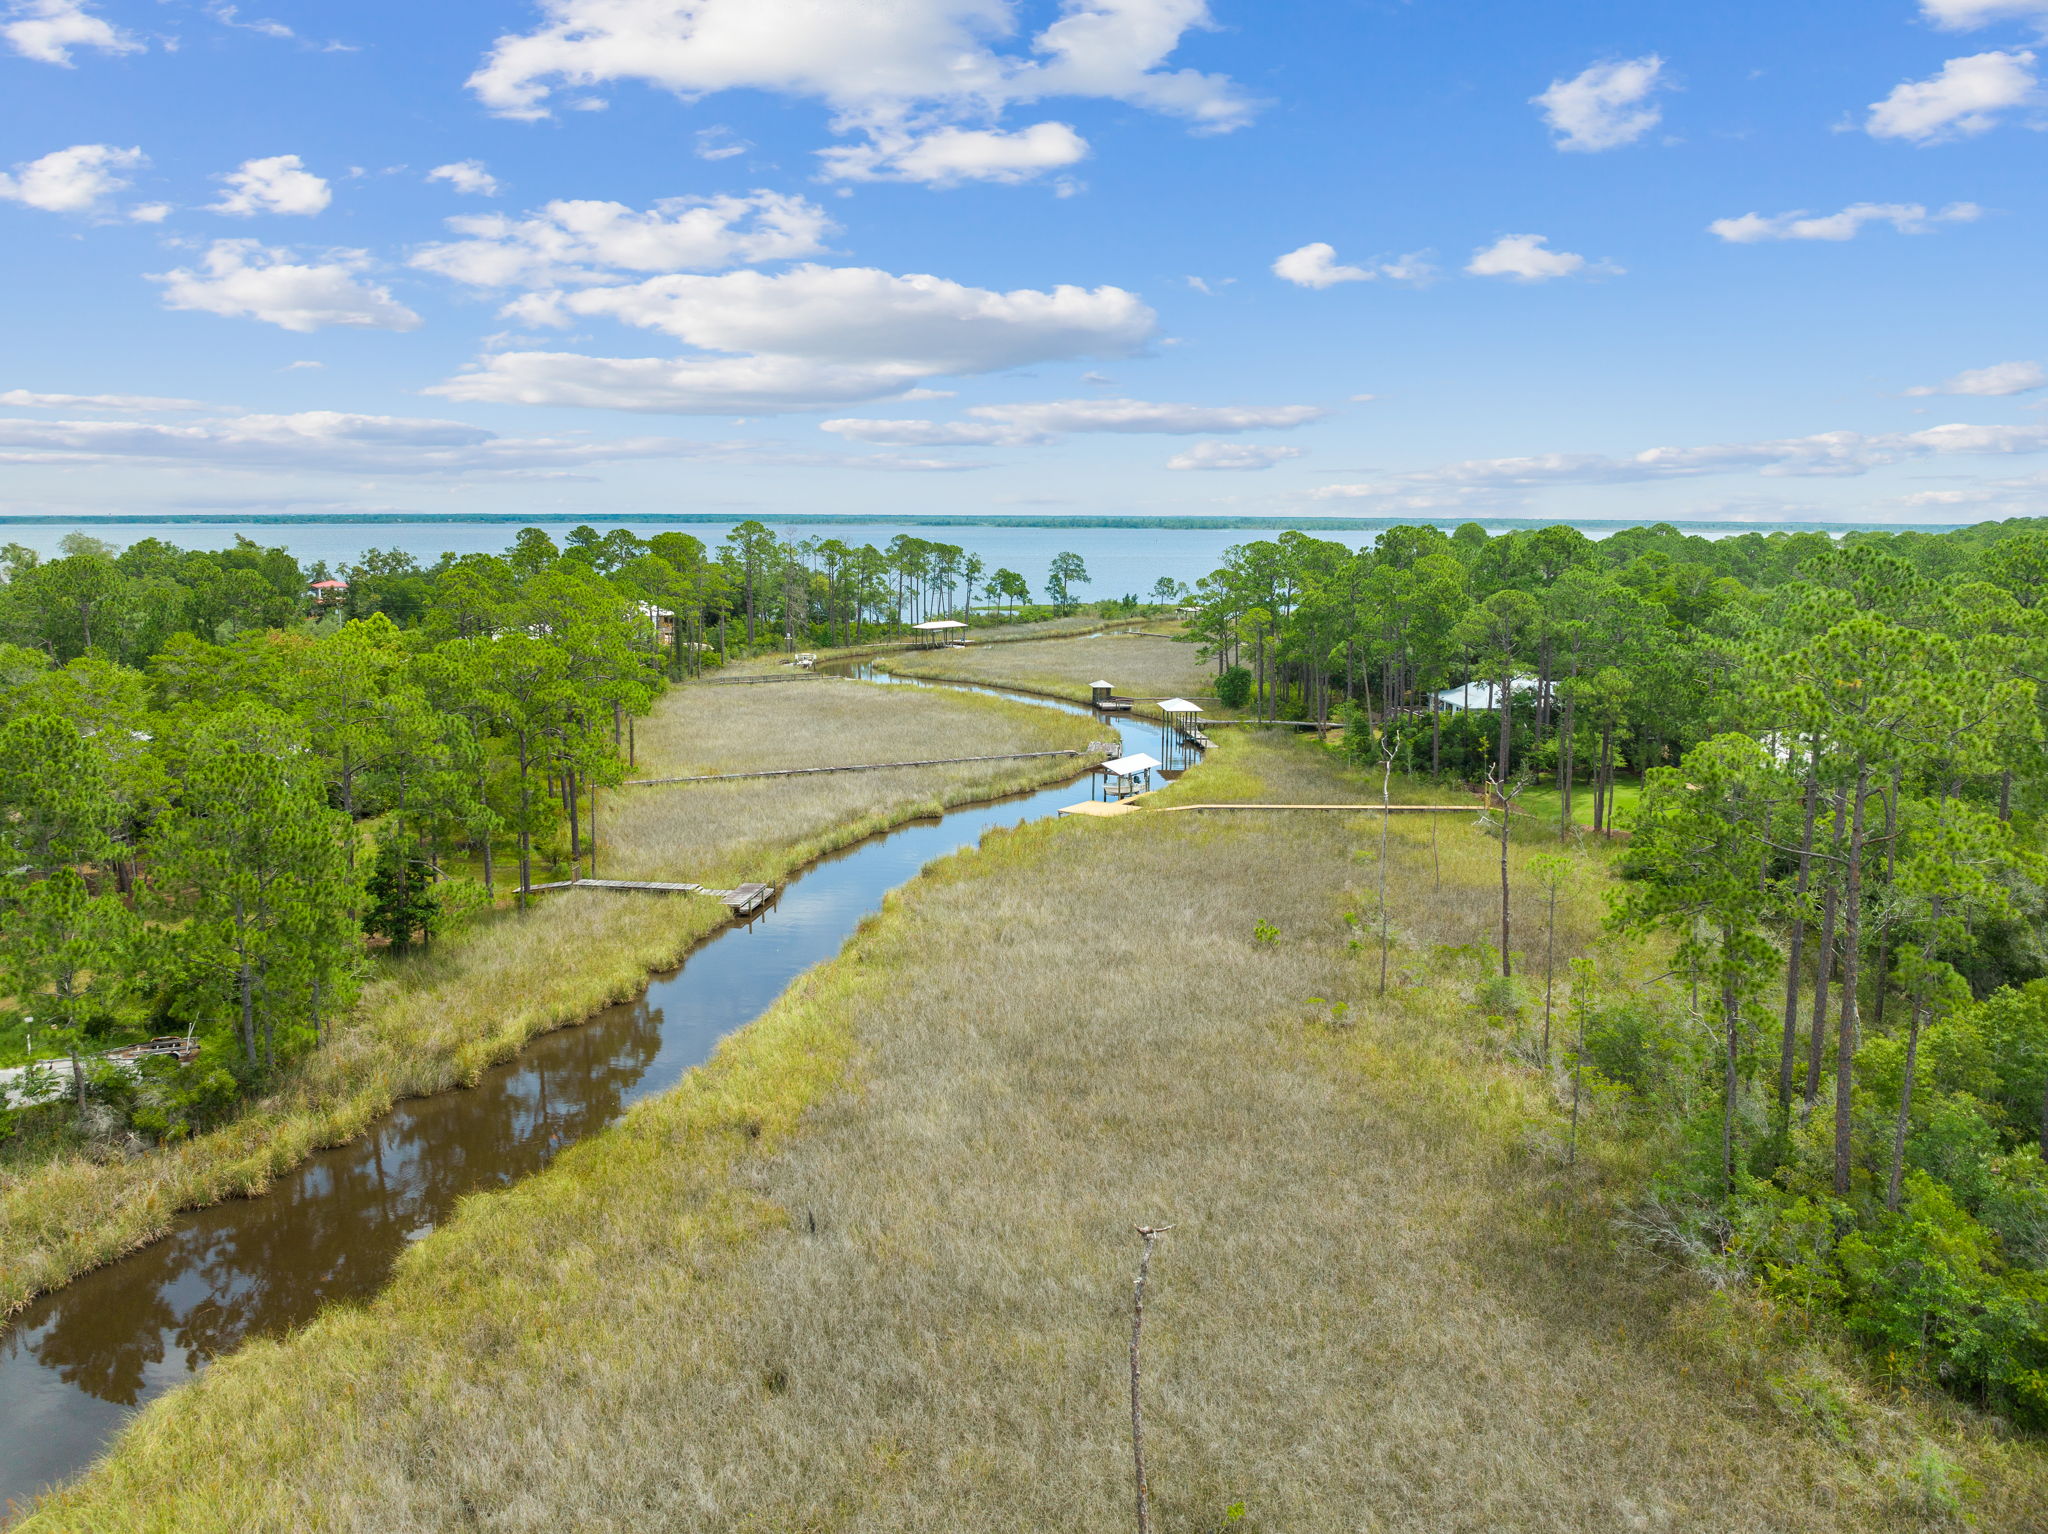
744	900
1354	809
798	772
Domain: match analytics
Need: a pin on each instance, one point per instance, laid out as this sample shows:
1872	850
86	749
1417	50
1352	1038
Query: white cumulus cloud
949	156
1526	258
1995	382
1604	106
1017	425
1133	415
673	385
933	433
245	279
75	180
231	16
806	339
1906	217
466	176
577	241
1963	15
334	442
48	30
863	316
897	73
1316	266
1232	455
719	143
854	54
137	404
312	440
1964	99
278	183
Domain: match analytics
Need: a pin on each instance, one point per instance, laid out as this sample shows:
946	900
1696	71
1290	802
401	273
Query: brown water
76	1364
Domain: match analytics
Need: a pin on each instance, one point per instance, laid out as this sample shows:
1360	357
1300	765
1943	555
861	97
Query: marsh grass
436	1019
1140	665
869	1268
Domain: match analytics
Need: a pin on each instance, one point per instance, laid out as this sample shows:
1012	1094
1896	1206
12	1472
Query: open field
434	1019
1140	665
870	1268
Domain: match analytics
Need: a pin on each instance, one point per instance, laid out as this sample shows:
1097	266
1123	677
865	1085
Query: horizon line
964	519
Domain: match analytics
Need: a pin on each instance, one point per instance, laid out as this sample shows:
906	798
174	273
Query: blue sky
1352	257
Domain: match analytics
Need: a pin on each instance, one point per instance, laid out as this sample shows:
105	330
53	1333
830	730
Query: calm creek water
77	1363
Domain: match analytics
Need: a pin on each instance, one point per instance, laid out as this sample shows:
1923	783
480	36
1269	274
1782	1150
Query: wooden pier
745	900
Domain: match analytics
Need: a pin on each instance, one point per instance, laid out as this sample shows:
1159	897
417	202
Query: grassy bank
436	1019
1140	666
870	1267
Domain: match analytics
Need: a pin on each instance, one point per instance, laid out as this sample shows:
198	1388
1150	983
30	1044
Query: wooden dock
1098	810
747	899
742	901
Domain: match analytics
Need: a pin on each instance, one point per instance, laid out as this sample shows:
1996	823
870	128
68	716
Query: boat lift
1124	776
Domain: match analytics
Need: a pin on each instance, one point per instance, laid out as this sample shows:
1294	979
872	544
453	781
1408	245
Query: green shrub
1956	1145
2016	1207
402	904
1636	1044
1234	687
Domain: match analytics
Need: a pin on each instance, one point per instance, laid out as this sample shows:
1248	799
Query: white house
1480	697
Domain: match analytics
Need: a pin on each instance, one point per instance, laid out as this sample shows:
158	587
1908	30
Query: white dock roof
1130	766
1178	706
939	623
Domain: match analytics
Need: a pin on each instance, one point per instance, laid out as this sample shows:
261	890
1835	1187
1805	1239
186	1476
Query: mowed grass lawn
1139	665
431	1020
870	1268
1544	804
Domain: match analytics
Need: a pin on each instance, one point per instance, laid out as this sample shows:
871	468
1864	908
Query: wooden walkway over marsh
744	900
799	772
1131	807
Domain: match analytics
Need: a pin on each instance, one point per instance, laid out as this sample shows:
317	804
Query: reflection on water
330	1228
75	1364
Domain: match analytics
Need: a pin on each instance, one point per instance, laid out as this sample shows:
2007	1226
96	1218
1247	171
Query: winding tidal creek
76	1364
